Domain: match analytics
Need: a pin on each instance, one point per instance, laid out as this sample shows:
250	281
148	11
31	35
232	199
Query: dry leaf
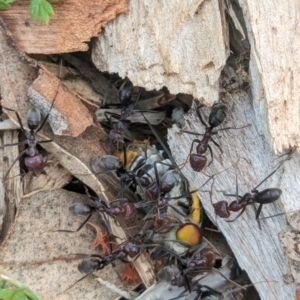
74	23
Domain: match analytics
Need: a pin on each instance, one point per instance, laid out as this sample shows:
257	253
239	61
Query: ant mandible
197	160
34	161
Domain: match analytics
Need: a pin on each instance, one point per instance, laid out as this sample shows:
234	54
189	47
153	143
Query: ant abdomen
33	118
88	265
198	162
269	195
80	209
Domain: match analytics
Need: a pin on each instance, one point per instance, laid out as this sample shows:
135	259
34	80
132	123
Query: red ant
127	211
34	161
197	160
125	97
223	208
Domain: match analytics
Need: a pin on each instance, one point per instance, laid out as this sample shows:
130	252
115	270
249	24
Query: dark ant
203	291
129	249
197	160
34	161
125	97
223	208
139	174
127	210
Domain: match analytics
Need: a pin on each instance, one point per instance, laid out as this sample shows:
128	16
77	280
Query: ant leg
84	222
18	117
106	93
112	115
46	141
14	144
200	116
243	210
216	144
191	132
158	138
231	195
18	157
226	128
212	156
85	276
127	132
47	116
191	149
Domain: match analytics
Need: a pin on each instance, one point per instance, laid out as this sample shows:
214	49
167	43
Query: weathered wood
259	252
70	28
178	44
274	35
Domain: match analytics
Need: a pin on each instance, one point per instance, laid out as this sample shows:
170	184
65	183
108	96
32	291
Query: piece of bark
74	81
259	252
98	81
274	35
181	45
69	115
73	24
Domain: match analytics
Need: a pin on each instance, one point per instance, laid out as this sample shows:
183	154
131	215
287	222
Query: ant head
89	265
125	92
80	209
217	115
33	118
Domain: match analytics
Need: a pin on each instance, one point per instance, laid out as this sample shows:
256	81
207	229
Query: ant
223	208
198	160
139	173
125	97
127	211
125	251
161	189
203	291
34	161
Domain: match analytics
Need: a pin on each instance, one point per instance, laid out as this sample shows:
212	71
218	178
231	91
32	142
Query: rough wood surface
70	28
41	258
274	35
178	44
259	252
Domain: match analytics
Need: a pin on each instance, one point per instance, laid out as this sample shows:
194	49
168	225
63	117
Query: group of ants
199	257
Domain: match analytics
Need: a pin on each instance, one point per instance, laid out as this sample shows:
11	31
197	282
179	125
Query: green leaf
3	4
30	295
12	294
2	284
42	9
34	8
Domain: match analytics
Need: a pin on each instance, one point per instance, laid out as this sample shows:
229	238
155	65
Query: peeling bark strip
73	24
178	44
63	119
